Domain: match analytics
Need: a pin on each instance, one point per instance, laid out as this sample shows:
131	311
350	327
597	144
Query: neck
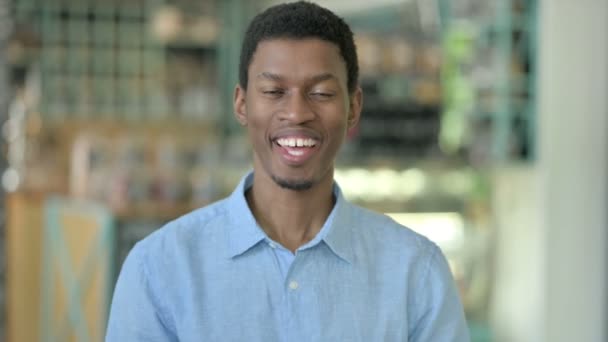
290	217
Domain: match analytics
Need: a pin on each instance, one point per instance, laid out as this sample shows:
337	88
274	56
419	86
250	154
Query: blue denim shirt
214	275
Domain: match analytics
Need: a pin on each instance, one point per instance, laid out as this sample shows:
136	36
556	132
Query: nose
297	109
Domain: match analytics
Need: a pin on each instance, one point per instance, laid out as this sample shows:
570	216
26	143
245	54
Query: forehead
297	58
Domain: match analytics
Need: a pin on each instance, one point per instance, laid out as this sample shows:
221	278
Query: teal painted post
531	22
502	90
235	15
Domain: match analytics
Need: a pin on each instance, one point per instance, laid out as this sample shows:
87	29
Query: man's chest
253	300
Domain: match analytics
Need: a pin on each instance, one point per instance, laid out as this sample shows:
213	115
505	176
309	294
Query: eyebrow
314	79
270	76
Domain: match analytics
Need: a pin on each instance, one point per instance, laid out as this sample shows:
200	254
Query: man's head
298	94
300	20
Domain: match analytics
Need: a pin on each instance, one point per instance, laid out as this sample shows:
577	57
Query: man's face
297	110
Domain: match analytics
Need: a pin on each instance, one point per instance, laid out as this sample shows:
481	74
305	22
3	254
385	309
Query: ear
356	104
240	105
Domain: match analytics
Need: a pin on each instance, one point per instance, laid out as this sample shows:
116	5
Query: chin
291	184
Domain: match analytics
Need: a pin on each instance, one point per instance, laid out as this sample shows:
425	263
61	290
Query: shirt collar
339	231
244	232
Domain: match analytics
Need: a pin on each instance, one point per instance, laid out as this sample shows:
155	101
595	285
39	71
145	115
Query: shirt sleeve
135	313
438	315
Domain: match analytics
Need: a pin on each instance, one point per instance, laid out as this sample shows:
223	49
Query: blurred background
484	128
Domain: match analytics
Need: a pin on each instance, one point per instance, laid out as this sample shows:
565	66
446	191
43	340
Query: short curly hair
300	20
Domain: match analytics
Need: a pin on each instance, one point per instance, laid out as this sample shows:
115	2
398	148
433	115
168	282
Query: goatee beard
292	185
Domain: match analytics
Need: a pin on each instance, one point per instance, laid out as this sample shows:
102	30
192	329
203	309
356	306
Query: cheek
259	115
337	123
256	132
254	119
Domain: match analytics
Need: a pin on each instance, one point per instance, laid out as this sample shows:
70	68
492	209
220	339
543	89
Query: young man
285	257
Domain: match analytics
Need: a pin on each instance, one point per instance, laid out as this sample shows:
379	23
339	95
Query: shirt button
272	245
293	285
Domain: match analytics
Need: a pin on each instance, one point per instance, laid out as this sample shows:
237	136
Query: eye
321	95
273	93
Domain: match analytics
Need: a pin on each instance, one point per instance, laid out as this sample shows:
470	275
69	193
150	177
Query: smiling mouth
296	146
296	142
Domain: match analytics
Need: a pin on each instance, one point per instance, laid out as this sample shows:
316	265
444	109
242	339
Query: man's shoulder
188	230
381	240
383	230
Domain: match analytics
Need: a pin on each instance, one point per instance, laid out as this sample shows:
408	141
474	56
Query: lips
295	148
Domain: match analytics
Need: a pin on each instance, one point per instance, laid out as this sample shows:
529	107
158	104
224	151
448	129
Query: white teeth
296	142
